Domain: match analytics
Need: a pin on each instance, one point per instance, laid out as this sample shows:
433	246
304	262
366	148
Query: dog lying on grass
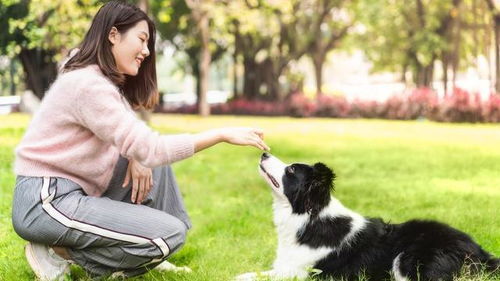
317	234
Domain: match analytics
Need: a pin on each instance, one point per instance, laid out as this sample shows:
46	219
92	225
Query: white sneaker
166	266
46	264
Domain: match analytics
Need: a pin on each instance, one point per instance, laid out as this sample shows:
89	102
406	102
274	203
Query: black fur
324	232
308	187
428	250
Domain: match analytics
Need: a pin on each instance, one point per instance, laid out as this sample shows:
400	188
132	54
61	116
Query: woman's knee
21	227
174	233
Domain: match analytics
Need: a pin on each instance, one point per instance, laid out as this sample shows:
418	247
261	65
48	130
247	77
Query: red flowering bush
247	107
396	107
421	101
491	109
409	106
328	106
459	106
366	109
298	105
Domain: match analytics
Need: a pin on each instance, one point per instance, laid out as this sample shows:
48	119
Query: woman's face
130	48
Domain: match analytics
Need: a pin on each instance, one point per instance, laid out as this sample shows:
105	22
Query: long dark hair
141	91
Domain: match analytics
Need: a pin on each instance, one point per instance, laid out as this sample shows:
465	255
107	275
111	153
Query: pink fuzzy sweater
82	127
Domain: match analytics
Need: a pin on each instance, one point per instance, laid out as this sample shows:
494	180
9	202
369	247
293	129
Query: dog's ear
323	175
319	189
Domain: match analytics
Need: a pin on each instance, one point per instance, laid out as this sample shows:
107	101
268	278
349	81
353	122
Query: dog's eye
290	170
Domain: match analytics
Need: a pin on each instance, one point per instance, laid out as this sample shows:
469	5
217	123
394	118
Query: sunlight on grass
391	169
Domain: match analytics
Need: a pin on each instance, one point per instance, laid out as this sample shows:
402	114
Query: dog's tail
493	265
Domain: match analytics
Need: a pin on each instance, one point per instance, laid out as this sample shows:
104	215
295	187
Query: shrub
491	109
459	106
298	105
366	109
328	106
410	106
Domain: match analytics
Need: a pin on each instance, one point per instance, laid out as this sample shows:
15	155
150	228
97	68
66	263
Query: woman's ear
114	36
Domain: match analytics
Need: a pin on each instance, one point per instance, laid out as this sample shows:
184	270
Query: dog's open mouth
271	178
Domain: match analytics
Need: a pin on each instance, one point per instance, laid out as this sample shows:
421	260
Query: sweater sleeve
99	107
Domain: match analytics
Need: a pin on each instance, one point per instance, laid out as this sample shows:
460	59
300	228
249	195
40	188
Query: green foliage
395	34
395	170
11	76
10	10
50	25
398	36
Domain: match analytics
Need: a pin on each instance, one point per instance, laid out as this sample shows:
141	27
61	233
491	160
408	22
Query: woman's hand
244	136
238	136
142	180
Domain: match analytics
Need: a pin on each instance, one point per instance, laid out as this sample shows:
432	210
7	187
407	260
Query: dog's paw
166	266
249	276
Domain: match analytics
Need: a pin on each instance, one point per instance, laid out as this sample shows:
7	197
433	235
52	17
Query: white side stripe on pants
54	213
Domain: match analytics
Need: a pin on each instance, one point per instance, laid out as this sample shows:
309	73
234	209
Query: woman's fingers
263	145
259	132
144	186
147	187
135	187
140	192
127	177
258	140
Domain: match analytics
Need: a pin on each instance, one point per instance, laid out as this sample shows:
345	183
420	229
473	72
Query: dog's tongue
275	183
273	180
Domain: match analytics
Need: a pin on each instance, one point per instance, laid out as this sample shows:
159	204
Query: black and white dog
316	233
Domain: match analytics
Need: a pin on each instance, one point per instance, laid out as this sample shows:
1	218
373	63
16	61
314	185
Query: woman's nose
145	52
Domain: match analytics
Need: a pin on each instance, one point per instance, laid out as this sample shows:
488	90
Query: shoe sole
30	256
32	261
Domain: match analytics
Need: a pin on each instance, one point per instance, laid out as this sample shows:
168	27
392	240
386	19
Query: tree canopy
264	38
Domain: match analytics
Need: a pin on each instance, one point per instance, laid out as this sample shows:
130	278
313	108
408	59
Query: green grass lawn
390	169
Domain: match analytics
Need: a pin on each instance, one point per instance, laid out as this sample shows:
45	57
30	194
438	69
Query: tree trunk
497	53
455	60
12	72
204	108
143	5
199	14
236	55
318	61
144	114
424	75
270	78
495	13
250	78
235	75
445	74
39	69
403	74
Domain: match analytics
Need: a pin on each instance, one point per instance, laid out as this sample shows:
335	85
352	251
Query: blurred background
392	59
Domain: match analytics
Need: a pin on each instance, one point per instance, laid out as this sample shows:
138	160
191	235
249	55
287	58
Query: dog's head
307	188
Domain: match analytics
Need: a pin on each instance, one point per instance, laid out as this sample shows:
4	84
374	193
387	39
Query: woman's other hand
142	181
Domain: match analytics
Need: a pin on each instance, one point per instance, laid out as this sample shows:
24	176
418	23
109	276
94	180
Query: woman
85	143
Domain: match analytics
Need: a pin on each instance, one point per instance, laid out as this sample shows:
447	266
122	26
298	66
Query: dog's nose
264	156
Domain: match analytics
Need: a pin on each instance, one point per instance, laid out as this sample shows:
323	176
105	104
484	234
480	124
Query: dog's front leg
253	276
275	274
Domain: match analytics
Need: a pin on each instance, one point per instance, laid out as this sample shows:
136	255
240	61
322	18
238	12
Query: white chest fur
294	259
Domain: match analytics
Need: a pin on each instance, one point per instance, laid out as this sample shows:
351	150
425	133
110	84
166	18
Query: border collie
316	233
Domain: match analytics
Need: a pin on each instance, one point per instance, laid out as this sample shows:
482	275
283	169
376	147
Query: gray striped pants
103	234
